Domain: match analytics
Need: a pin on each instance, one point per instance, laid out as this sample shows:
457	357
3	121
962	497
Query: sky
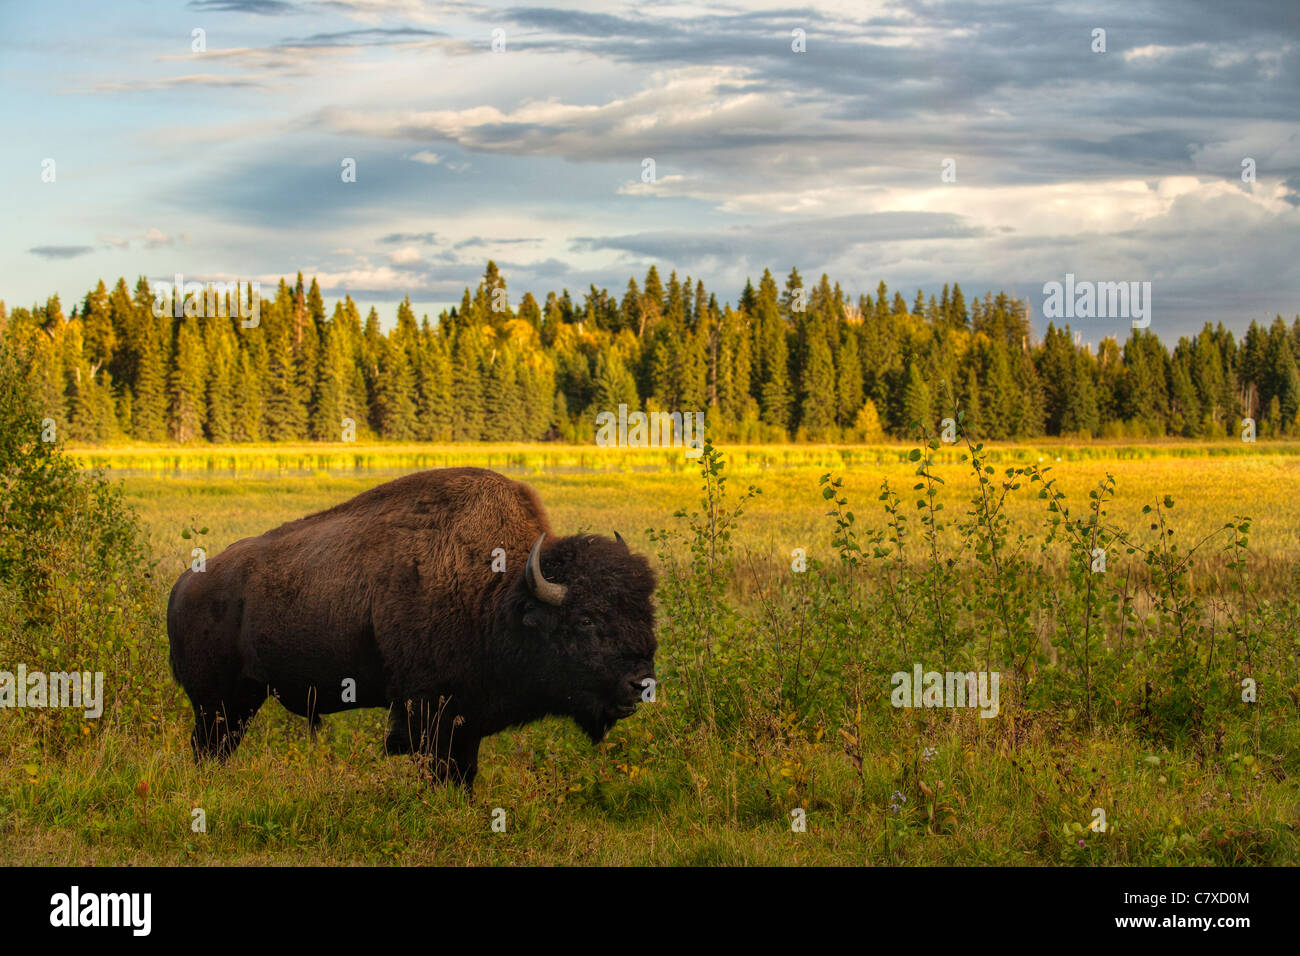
522	134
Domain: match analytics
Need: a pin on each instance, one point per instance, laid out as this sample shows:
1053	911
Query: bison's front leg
437	738
220	720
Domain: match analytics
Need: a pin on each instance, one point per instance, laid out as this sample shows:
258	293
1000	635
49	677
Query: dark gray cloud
61	252
372	36
990	77
478	242
813	239
598	25
1293	190
546	269
256	7
428	238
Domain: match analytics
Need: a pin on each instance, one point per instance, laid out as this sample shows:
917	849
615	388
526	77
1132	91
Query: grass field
679	785
243	490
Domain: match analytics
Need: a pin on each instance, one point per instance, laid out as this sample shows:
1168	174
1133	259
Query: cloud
374	36
156	238
478	242
61	252
435	159
407	255
153	238
1292	194
256	7
169	83
428	238
830	159
269	62
662	185
679	111
814	239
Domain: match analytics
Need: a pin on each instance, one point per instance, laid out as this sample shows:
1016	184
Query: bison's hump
437	498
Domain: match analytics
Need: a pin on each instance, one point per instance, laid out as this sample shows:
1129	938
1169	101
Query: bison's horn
619	538
542	589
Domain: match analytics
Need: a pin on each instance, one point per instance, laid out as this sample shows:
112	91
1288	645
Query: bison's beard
597	722
595	726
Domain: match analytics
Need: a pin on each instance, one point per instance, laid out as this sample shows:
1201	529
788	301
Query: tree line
784	363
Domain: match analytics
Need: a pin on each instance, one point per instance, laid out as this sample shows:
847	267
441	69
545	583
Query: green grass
652	796
668	787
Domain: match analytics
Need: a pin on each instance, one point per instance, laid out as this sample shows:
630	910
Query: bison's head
587	623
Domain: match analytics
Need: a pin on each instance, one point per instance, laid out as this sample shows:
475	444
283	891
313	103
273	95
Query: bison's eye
586	622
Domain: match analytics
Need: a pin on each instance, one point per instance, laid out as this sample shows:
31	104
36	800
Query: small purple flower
929	754
1081	843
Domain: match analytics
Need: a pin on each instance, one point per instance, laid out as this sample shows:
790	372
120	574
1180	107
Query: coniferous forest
784	362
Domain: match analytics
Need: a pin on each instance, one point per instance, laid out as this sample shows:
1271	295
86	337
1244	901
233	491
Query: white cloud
677	109
405	256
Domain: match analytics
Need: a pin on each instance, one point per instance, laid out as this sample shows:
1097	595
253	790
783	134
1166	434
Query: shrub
75	589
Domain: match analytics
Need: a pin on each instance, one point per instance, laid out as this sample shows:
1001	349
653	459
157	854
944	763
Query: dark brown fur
395	590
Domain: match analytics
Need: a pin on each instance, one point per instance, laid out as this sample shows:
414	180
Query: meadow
774	701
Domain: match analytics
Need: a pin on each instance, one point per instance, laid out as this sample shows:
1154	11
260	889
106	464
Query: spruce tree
328	395
285	412
246	425
958	316
972	405
538	394
502	402
917	407
848	378
1080	415
998	393
1184	406
614	385
774	372
187	385
735	364
467	388
149	404
819	402
395	411
434	390
220	348
99	339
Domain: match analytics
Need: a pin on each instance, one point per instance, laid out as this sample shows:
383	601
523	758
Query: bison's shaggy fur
391	600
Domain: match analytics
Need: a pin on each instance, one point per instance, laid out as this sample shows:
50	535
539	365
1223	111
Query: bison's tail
173	630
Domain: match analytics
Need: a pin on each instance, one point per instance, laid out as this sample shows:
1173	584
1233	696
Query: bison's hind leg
221	721
400	723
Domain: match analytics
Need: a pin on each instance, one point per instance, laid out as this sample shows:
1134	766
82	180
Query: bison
400	598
